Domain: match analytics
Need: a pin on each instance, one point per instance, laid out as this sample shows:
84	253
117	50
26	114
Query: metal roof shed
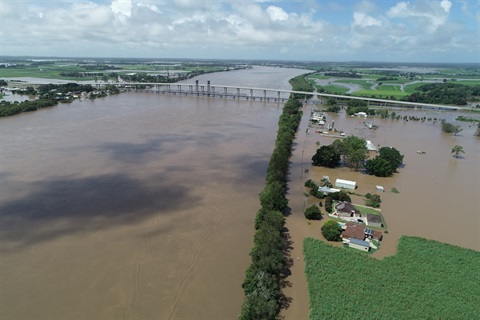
347	184
359	244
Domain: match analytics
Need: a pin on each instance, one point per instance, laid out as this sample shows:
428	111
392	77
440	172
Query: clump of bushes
313	213
314	189
340	196
329	204
372	200
332	231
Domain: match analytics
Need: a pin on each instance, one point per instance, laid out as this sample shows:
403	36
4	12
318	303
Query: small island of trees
352	152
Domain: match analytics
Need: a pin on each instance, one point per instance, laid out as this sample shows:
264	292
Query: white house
347	184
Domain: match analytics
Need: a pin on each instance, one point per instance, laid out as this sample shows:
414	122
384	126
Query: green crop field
331	88
47	71
424	280
364	83
411	87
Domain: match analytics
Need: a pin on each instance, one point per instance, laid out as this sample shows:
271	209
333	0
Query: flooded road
142	205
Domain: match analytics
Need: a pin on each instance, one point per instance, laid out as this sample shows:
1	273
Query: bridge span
253	93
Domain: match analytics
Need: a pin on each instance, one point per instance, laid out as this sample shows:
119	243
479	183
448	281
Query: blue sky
307	30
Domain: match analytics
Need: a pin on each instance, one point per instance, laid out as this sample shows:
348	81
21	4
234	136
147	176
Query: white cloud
427	16
446	5
123	7
363	20
277	14
232	28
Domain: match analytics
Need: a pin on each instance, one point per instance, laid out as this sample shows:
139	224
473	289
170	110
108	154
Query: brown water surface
142	205
132	206
438	196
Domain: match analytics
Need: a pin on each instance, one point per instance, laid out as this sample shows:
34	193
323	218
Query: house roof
353	230
358	231
346	207
327	189
371	146
374	218
345	182
359	242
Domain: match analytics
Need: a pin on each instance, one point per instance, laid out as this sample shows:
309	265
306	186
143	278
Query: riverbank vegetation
299	83
12	108
265	276
424	280
49	95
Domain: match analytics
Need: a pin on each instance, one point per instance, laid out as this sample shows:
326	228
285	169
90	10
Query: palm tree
457	150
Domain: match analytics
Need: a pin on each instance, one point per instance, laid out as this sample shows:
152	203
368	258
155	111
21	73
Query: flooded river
133	206
142	205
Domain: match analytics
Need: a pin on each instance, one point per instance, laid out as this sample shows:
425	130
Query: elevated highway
253	93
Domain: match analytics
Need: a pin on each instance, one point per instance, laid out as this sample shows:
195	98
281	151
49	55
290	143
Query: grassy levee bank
300	83
265	276
424	280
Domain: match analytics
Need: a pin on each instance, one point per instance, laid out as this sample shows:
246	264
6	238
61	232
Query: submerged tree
450	128
457	150
326	156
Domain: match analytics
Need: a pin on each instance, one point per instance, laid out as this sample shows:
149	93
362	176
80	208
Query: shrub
331	230
340	196
313	213
310	184
328	204
373	200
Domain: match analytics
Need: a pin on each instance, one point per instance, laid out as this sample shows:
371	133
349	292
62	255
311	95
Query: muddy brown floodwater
142	205
133	206
438	195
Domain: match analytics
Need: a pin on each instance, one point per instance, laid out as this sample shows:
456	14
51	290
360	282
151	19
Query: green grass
363	83
367	210
331	88
411	87
47	71
380	93
424	280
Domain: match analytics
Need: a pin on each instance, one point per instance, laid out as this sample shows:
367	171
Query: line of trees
8	108
444	93
354	106
265	275
343	74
